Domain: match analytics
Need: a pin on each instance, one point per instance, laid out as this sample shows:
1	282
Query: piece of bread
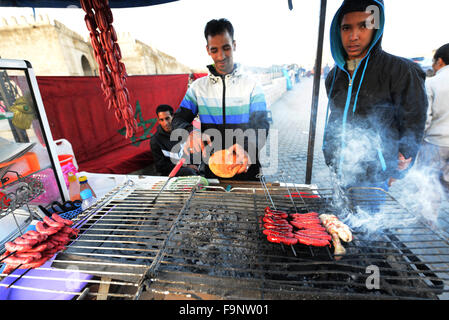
223	164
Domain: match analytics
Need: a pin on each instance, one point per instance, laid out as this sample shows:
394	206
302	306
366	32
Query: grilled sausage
274	221
40	227
32	234
14	260
11	247
309	241
314	226
32	255
322	236
58	218
268	232
25	241
38	248
304	215
52	223
281	214
278	227
281	239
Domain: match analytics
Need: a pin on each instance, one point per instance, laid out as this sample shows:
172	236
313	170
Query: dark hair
443	53
349	6
214	27
164	108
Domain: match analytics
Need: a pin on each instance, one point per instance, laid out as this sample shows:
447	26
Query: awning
70	3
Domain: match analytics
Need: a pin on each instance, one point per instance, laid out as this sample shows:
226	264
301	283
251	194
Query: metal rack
19	194
208	242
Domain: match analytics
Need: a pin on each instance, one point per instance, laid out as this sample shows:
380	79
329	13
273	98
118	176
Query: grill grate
209	243
219	249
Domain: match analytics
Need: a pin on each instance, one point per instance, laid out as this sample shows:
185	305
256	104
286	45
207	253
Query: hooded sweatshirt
377	112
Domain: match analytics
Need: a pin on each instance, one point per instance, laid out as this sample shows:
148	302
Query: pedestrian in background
433	157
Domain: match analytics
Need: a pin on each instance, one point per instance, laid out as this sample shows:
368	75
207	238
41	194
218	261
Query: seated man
163	150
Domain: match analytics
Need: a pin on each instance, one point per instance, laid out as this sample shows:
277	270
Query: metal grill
208	243
219	249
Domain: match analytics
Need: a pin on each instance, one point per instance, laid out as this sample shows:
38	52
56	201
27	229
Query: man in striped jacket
230	104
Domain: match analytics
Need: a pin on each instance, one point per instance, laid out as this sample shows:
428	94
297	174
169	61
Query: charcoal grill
207	242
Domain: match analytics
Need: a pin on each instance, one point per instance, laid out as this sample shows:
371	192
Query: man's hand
402	165
195	143
241	157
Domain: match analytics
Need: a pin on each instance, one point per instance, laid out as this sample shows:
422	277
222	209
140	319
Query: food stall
183	237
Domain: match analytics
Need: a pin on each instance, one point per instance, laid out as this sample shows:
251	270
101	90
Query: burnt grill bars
207	242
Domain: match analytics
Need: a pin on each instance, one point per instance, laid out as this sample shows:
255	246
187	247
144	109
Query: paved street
291	120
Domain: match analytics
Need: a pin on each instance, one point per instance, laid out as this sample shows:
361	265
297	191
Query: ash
216	242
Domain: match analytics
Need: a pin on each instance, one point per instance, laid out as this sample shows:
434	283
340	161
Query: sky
266	31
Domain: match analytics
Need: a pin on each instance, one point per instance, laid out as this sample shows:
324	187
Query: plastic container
66	162
64	147
87	194
25	165
74	187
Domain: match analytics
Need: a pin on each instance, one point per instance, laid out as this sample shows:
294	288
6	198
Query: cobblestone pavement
291	120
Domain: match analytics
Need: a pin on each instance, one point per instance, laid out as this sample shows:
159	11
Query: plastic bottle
74	187
88	195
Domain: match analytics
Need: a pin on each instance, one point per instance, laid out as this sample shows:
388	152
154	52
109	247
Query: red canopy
76	111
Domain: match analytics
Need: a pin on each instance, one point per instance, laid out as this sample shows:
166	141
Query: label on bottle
86	194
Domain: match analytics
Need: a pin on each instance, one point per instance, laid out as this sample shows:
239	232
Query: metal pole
316	92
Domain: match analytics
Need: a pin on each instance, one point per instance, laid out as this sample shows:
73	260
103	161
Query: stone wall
52	48
55	50
141	58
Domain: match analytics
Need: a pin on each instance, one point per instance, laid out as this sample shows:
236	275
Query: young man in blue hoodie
377	102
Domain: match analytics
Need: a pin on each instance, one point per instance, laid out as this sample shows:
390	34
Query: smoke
415	198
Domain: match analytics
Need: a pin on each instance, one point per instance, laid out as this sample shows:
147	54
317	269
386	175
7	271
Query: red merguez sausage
36	263
11	247
278	227
56	217
33	255
281	239
38	248
61	238
304	215
269	232
40	227
308	220
309	241
274	220
281	214
14	260
322	236
25	241
313	226
53	223
35	235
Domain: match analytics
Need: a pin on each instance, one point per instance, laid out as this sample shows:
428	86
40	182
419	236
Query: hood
338	52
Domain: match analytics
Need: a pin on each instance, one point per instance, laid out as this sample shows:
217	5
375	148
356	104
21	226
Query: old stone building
55	50
141	58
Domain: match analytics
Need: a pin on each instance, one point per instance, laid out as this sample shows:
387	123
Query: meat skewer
339	250
338	230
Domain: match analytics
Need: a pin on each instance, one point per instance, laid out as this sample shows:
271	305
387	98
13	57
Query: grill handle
177	167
